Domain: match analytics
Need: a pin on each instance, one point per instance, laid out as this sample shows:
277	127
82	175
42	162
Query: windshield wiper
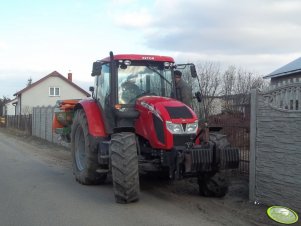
161	76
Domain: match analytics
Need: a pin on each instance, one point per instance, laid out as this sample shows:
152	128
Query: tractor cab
121	79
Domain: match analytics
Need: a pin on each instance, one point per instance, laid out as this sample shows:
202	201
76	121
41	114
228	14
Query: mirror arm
91	89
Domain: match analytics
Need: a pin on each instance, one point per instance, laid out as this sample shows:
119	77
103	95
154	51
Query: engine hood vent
179	112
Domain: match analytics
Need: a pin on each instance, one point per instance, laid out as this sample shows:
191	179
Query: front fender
94	117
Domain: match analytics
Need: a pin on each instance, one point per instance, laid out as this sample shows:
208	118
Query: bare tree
228	81
3	101
236	87
222	90
208	83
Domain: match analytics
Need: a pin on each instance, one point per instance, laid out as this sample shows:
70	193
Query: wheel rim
80	154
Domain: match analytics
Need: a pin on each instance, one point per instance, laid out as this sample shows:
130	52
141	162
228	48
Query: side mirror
193	71
91	89
198	96
96	70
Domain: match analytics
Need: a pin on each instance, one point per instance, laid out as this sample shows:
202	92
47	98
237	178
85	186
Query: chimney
70	76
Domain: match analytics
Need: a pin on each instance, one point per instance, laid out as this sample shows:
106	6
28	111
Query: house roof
52	74
15	100
290	68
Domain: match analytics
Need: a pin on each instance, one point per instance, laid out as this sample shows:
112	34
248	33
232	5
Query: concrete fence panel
42	125
275	158
48	123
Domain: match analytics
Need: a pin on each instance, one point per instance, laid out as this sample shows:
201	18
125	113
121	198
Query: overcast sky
38	37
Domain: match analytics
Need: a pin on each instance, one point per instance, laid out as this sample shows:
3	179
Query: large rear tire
124	163
220	140
227	157
213	185
84	157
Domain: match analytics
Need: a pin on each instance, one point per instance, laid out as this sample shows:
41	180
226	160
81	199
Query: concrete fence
42	118
275	146
20	122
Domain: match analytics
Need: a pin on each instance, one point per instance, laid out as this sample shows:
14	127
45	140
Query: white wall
39	94
10	108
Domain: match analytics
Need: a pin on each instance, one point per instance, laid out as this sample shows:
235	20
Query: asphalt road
38	188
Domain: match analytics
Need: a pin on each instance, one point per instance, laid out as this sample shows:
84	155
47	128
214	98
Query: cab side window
103	85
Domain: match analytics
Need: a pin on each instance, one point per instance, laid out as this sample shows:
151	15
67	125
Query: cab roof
140	57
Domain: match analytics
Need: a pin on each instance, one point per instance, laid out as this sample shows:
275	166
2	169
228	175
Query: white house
47	91
10	107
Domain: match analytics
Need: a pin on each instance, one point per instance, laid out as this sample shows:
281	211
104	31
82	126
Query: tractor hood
160	117
167	109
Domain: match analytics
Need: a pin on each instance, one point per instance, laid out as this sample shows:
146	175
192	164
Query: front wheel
124	163
84	158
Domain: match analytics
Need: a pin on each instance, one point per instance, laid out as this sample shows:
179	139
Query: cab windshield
143	79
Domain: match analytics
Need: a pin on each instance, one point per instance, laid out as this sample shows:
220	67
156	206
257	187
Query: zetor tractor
131	126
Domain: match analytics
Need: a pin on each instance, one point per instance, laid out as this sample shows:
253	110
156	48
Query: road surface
38	188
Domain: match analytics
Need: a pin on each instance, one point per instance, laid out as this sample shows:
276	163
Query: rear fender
94	117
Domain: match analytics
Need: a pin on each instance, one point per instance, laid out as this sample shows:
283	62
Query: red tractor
131	125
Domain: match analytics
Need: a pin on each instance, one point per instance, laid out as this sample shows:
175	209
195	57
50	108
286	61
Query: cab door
103	95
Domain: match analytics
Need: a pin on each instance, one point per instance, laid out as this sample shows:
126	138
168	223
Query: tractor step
103	152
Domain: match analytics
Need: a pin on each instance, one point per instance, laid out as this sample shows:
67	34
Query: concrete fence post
253	132
40	122
52	113
46	118
32	122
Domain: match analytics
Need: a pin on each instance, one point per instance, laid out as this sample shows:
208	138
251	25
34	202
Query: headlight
174	128
192	127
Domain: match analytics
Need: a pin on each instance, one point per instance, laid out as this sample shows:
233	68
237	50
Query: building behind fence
275	157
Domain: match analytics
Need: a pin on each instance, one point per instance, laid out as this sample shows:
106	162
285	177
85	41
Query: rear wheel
213	185
124	162
227	157
84	158
220	140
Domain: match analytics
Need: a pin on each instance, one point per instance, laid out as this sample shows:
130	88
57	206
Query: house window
54	91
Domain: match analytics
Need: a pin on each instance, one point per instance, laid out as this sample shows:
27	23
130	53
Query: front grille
179	112
180	140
